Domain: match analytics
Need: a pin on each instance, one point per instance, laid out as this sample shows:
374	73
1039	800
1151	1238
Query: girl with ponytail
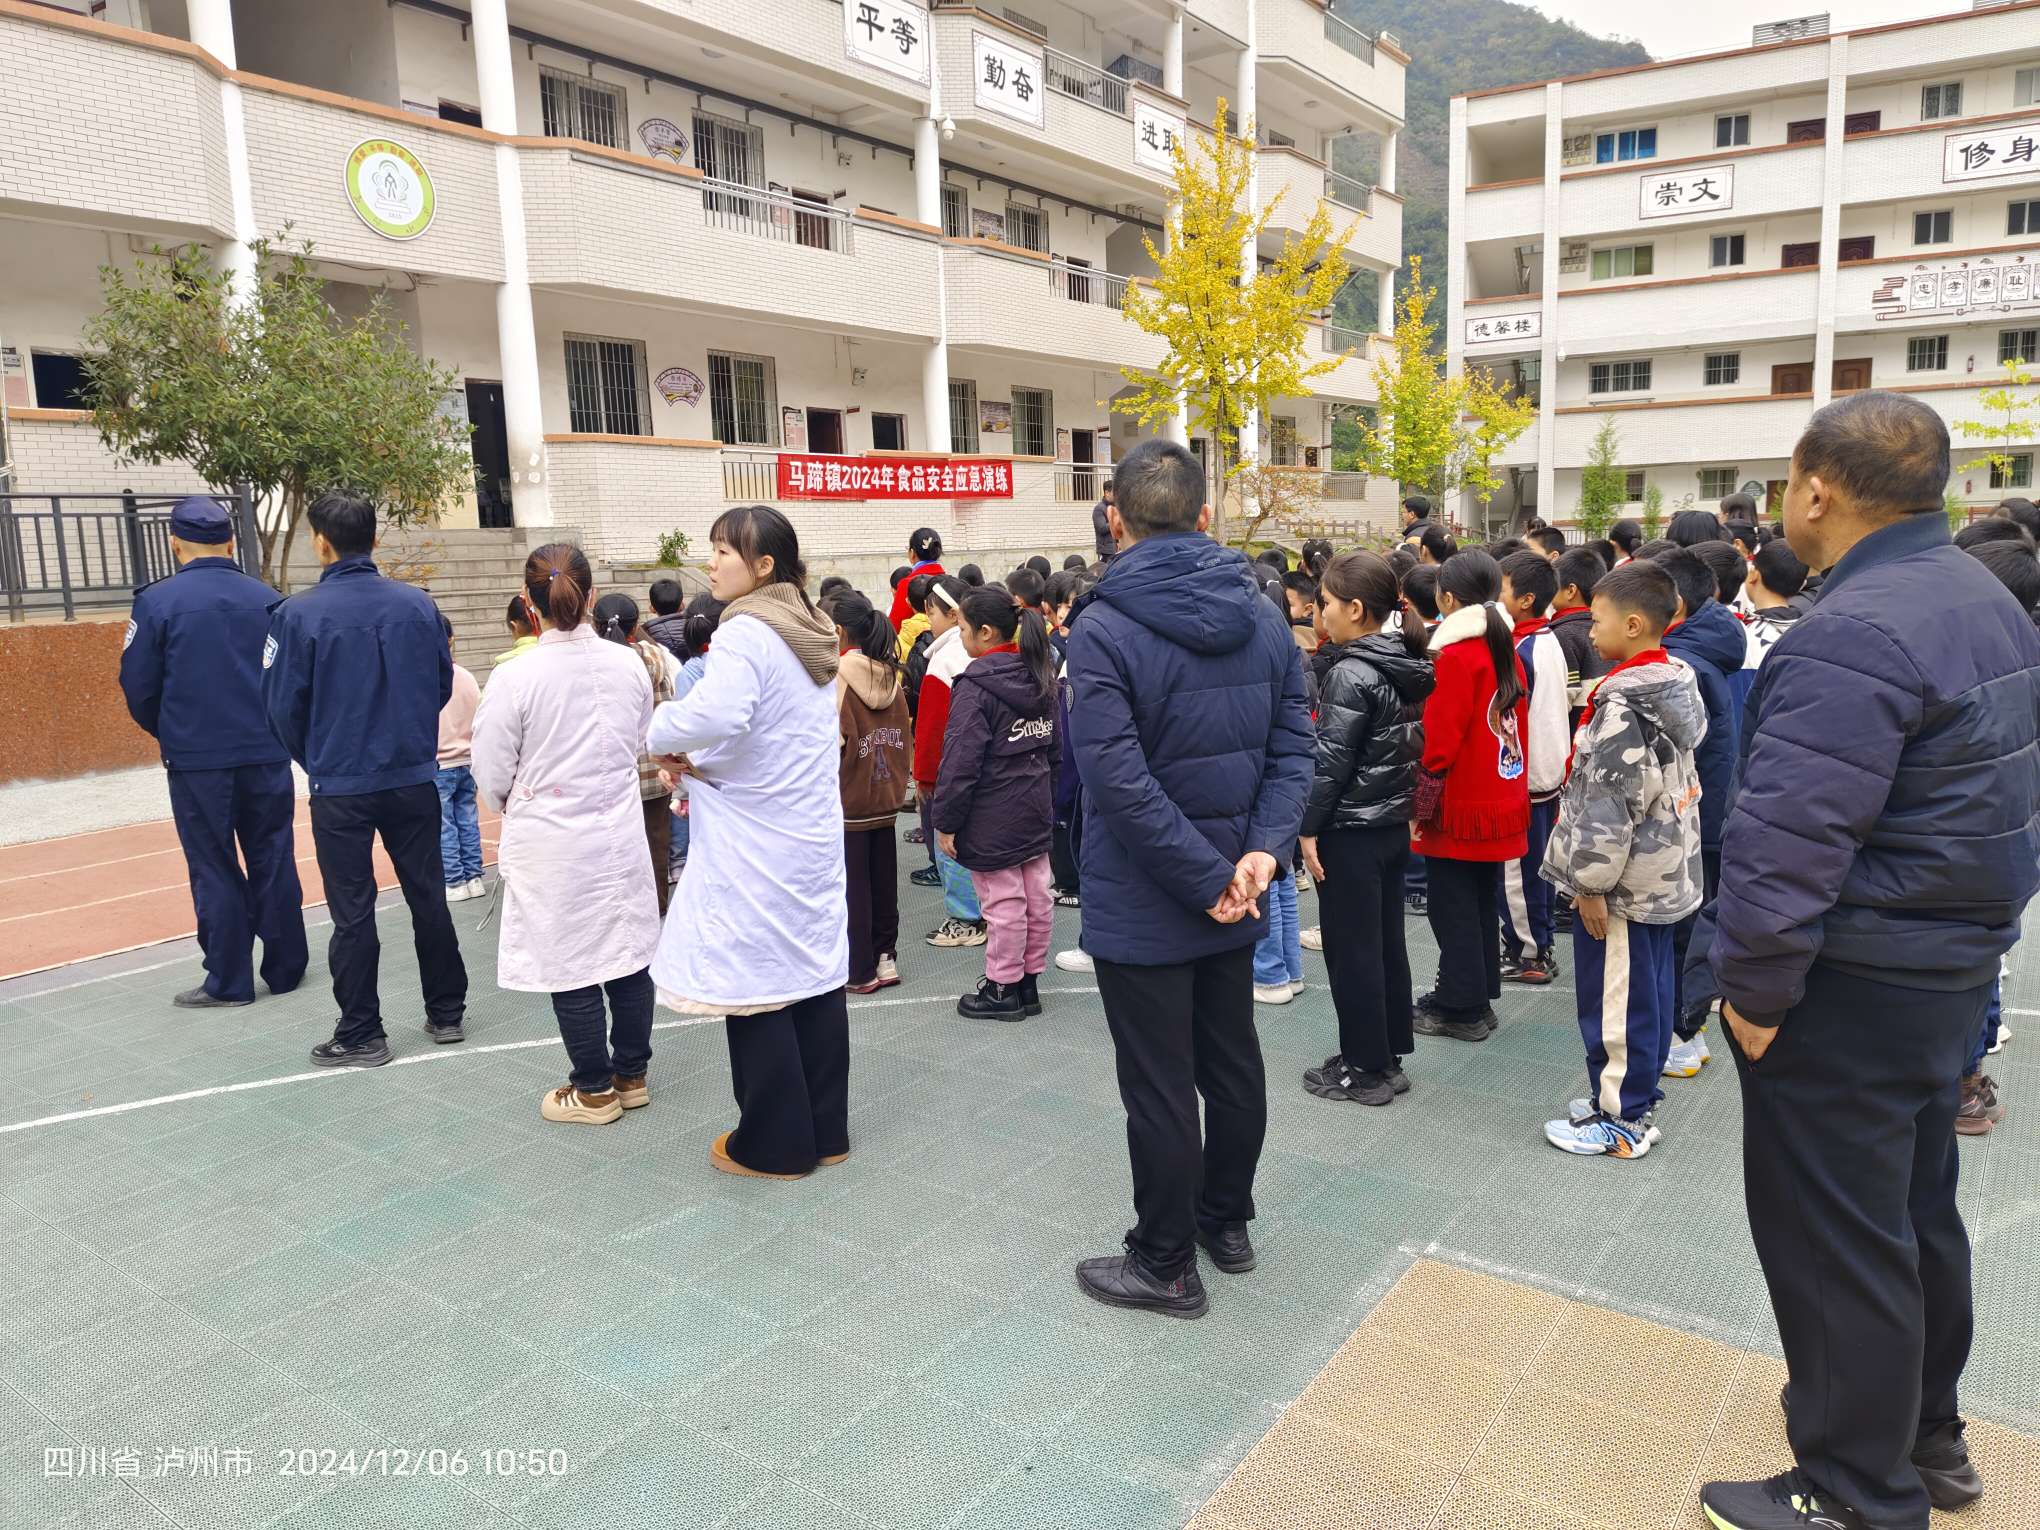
995	796
875	764
1473	794
556	752
616	621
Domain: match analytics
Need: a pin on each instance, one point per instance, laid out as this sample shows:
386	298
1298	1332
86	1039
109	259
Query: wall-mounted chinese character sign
677	385
887	34
1675	193
1486	328
1955	289
1006	78
1993	151
663	140
1155	135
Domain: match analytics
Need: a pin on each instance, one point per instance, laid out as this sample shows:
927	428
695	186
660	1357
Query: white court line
438	1054
2019	1011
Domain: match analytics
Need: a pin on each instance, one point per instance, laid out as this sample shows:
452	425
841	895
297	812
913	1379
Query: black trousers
872	859
1849	1171
251	807
790	1070
1696	977
343	835
1466	918
1360	906
1179	1032
1066	851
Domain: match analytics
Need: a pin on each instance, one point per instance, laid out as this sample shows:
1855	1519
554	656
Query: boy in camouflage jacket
1627	848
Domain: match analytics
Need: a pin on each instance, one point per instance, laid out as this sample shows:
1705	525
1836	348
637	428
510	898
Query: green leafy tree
2011	417
1604	487
280	392
1956	511
1653	512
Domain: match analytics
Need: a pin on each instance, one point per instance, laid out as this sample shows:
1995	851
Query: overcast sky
1668	30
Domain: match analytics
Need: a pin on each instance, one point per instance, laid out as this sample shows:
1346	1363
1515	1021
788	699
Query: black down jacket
1370	735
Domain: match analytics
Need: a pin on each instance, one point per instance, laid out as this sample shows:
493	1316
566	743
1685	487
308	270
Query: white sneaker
1075	961
1997	1043
1296	989
1312	939
1273	993
459	892
888	971
1685	1058
478	888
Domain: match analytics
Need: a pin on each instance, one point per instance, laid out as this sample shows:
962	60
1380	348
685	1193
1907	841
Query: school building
671	248
1705	250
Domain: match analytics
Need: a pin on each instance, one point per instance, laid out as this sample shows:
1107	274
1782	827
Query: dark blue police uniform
354	674
191	669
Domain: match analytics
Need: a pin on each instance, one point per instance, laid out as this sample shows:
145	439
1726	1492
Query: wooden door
815	230
825	431
1852	376
1792	377
1800	254
1808	130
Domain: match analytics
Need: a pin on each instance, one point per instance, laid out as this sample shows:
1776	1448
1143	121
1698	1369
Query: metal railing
1082	284
64	551
1347	192
1337	339
750	478
1079	483
1345	485
775	215
1086	82
1343	34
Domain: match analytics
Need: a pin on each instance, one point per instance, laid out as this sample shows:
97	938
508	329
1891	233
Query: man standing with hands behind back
1875	862
1195	750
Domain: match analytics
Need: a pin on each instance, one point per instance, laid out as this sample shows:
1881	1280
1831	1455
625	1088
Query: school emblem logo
128	638
268	652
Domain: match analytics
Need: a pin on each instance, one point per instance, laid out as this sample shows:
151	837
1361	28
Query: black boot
992	1001
1121	1280
1230	1248
1030	993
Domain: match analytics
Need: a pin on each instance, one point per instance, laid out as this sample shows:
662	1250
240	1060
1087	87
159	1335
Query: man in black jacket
1883	843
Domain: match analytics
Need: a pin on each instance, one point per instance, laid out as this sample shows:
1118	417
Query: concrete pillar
1245	108
212	28
1389	145
1385	296
1830	222
1547	386
1176	427
928	208
1172	56
516	334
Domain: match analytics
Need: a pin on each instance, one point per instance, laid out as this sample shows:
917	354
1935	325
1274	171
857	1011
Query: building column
1245	106
1548	354
1390	143
928	208
1176	427
1830	222
516	334
1172	56
1384	323
212	28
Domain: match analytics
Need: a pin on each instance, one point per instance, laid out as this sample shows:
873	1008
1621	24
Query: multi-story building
1705	250
666	246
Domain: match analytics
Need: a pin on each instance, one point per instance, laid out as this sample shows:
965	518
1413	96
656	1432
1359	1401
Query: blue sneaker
1582	1111
1599	1136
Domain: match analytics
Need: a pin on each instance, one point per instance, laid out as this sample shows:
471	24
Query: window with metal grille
1725	250
2018	345
1732	131
1618	376
963	415
606	388
1933	227
1026	227
2023	218
1718	483
725	150
1941	101
1926	353
955	212
2015	474
1726	367
574	106
1033	422
742	399
1623	260
1282	441
1632	485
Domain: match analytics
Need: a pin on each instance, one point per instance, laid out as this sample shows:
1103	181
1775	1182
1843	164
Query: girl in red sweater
924	556
1473	795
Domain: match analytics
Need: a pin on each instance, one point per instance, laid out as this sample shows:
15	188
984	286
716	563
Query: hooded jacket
871	706
1192	740
1547	743
1479	792
1574	629
946	659
1711	643
996	791
1370	736
1760	634
1628	825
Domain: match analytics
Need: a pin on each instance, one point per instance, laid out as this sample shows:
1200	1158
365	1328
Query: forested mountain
1458	45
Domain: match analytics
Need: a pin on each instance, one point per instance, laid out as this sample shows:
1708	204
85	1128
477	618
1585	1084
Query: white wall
348	46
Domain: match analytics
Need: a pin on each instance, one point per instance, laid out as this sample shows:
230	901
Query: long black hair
995	609
1473	578
866	626
1367	578
759	531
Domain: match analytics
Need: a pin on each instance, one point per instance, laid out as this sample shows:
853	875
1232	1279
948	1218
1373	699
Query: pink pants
1020	917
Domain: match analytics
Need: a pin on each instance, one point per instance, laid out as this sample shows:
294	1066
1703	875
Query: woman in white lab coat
759	927
556	747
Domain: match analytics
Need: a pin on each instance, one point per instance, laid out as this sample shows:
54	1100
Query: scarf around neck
810	634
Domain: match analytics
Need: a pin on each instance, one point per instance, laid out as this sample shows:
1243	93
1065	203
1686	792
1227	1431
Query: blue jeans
1278	956
1988	1034
579	1012
959	894
460	826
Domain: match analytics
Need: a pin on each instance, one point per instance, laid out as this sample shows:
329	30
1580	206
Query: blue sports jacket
191	666
1713	644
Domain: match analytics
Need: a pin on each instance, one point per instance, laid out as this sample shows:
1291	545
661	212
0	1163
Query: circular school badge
389	189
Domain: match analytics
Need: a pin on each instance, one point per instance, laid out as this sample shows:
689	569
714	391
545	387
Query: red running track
85	895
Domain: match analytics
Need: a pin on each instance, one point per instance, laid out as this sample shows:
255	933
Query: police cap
200	518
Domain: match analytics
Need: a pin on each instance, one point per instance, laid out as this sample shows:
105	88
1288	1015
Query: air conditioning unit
1028	24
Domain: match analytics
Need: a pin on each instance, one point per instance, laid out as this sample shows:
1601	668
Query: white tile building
1708	249
670	239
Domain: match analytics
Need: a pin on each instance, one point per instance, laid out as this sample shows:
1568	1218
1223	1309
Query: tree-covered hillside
1458	45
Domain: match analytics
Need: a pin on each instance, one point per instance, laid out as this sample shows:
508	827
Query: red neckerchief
1567	611
1529	625
1002	648
1648	656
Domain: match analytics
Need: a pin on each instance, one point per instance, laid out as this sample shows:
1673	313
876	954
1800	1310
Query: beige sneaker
888	972
632	1092
567	1103
1312	939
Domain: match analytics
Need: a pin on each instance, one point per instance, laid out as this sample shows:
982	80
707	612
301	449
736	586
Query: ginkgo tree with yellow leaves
2011	417
1237	339
1432	432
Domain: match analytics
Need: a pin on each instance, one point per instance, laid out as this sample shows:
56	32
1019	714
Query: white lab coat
556	751
760	918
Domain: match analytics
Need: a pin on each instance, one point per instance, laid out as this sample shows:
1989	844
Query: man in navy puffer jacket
1194	747
1884	840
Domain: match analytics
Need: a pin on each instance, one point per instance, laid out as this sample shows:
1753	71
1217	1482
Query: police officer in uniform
191	669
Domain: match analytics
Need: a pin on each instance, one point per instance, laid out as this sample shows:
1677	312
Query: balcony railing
775	215
1347	192
63	551
1079	483
750	478
1336	340
1081	284
1086	82
1343	34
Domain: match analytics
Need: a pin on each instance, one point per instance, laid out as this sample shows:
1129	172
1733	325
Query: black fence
67	551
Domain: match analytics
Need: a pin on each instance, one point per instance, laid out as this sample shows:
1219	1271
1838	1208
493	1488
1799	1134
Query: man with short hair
1102	539
354	675
1195	750
190	668
1416	514
1882	847
668	626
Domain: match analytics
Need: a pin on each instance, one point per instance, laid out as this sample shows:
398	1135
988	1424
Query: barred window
963	415
743	400
1723	368
1618	377
1718	483
1027	227
2018	345
955	212
574	106
1033	422
1926	353
1940	101
2015	474
606	388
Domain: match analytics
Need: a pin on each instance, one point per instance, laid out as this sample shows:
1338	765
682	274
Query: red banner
802	476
